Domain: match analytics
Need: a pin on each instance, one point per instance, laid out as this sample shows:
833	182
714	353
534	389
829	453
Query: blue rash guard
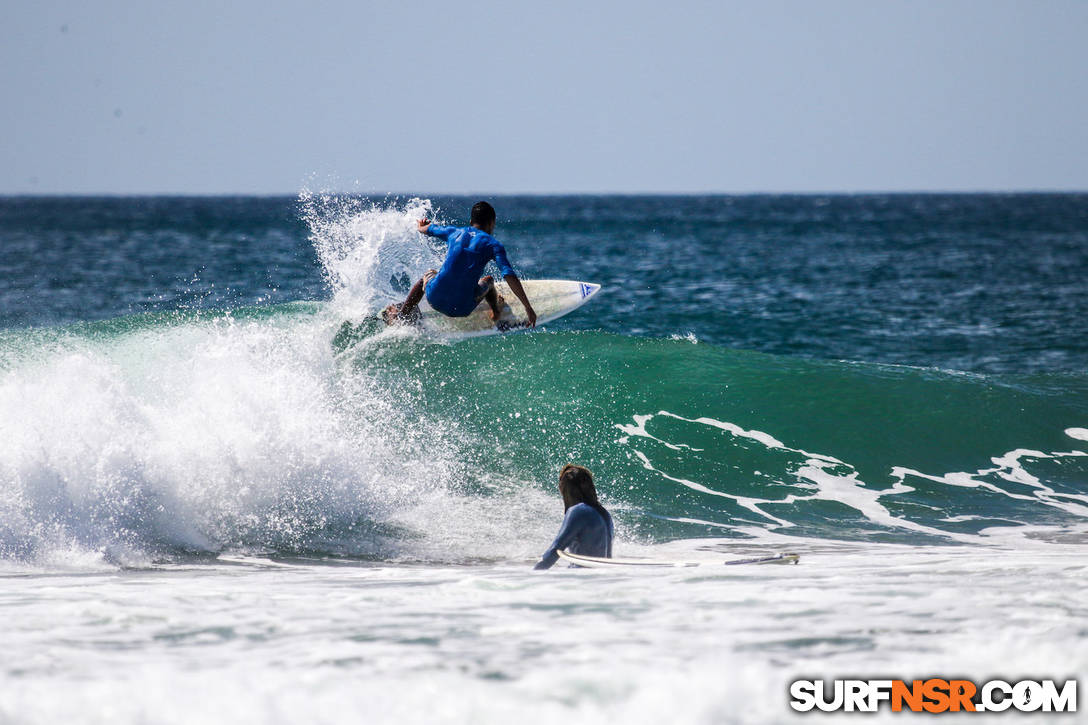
585	530
453	291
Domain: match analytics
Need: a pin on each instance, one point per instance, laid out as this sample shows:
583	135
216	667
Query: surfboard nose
588	288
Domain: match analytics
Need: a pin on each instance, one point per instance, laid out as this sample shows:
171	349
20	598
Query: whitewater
218	501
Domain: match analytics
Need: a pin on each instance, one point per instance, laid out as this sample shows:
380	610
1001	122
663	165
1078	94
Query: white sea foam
255	642
834	480
370	252
227	434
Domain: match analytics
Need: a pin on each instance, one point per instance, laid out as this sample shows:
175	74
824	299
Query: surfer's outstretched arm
517	289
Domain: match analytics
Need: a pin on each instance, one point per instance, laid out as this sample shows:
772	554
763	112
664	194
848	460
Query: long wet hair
576	486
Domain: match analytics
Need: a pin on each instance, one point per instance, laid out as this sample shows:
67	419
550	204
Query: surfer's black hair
483	214
576	486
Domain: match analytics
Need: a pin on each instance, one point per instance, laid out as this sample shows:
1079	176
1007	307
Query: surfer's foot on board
496	307
391	315
408	311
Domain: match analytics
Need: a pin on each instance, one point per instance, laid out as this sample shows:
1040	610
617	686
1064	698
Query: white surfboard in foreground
551	299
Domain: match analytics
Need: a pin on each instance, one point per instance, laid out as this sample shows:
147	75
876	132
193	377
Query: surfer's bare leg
486	286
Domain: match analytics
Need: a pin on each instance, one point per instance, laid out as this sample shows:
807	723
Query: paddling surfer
587	526
456	289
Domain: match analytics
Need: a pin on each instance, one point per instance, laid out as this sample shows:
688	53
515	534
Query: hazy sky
269	97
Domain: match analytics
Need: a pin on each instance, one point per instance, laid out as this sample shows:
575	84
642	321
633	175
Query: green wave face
283	429
693	440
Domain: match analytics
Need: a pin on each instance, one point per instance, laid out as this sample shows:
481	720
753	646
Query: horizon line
427	194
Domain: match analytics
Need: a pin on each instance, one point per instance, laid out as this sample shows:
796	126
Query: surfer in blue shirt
587	526
457	288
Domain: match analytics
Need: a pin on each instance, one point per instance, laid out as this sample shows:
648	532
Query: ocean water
218	502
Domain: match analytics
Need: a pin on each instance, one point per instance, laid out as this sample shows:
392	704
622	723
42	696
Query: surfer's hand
532	317
423	225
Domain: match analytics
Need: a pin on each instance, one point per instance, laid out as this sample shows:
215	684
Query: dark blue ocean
981	283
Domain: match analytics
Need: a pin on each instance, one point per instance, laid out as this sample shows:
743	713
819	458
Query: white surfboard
550	298
599	562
